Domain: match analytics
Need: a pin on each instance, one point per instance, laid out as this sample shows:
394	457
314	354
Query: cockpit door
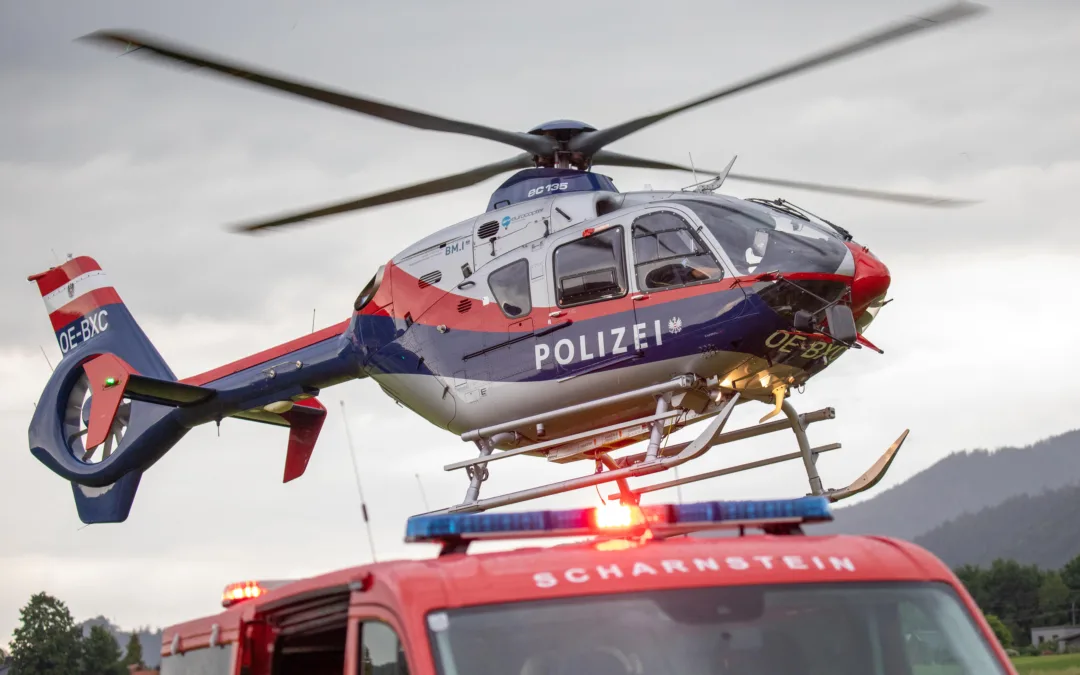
685	296
589	324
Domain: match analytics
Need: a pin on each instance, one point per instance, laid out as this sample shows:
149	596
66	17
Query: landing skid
684	400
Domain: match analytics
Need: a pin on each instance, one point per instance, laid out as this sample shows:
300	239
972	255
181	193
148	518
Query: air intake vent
430	279
488	230
464	306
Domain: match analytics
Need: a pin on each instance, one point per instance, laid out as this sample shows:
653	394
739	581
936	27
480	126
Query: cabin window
208	661
510	286
381	651
591	268
668	254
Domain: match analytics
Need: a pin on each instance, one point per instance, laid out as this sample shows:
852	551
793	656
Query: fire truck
684	589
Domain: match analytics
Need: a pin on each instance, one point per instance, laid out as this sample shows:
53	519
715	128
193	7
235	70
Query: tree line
48	642
1023	597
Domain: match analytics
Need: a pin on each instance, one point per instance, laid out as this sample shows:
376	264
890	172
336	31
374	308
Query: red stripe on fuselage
433	306
267	355
83	305
53	279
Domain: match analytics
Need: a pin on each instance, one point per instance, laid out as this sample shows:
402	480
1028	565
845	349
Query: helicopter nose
871	278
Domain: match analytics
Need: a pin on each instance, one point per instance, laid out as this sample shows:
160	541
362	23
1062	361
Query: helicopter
569	321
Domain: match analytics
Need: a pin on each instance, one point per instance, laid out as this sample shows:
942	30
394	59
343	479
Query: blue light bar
616	520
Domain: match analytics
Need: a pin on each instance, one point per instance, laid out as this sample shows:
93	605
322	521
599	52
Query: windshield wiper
787	207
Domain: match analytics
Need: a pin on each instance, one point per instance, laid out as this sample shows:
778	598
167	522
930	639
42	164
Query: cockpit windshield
760	239
842	629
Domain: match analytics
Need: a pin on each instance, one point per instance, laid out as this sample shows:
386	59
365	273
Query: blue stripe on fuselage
726	321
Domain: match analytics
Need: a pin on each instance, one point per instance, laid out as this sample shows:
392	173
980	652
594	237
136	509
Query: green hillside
964	482
1038	530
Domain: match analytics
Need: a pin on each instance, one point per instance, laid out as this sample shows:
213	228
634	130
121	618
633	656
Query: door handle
641	296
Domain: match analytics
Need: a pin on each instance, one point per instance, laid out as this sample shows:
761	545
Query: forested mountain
1042	530
964	482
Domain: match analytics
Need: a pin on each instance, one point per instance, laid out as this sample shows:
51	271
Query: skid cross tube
804	447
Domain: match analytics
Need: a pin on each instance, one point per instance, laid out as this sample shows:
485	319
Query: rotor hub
562	132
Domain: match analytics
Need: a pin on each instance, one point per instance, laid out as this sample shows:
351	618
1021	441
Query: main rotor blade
171	51
431	187
607	158
591	142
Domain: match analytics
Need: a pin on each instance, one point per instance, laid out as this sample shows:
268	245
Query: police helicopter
567	322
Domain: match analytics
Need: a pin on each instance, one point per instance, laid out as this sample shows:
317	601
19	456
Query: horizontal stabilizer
109	372
112	378
165	392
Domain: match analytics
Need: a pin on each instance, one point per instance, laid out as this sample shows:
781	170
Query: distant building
133	670
1066	637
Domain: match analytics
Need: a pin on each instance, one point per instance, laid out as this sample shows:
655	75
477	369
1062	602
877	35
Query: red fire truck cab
638	597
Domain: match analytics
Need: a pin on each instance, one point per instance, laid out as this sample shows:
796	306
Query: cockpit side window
735	231
668	254
591	268
763	240
510	286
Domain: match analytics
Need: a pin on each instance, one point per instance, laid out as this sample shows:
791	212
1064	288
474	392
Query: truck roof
593	567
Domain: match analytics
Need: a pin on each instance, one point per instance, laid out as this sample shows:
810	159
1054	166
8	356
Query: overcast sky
140	166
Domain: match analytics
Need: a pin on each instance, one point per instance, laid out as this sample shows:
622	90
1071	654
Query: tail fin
112	407
87	313
89	320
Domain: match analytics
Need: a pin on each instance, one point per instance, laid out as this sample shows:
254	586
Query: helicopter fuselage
564	298
550	302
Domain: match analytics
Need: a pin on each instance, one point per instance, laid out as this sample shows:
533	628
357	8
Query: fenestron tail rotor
76	424
562	144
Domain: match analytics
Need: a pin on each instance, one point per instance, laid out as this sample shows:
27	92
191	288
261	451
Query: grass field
1064	664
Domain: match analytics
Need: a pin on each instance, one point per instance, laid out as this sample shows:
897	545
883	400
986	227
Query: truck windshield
795	629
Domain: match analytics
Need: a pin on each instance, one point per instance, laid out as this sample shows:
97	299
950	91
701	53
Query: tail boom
134	398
